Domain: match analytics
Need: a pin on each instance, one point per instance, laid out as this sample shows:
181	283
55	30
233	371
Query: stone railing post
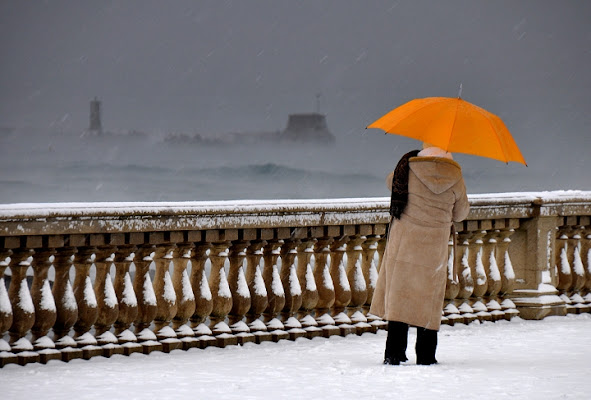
338	272
275	292
45	310
305	270
357	280
220	290
85	296
144	292
538	254
201	289
258	290
185	297
165	293
240	291
325	287
23	310
106	298
291	288
63	294
126	298
5	306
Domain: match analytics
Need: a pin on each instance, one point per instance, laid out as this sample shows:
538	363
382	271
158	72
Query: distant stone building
308	127
95	117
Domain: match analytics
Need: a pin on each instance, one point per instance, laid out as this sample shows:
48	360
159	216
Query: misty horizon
234	67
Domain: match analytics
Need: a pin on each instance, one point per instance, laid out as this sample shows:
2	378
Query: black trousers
397	342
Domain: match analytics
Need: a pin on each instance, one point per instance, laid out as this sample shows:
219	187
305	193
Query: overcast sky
219	66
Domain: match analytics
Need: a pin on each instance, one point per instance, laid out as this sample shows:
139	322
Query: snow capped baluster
507	273
23	310
342	289
144	291
493	274
325	286
563	266
292	289
465	278
305	270
258	290
504	262
240	291
164	291
45	310
185	298
275	292
356	280
201	289
578	270
126	298
63	294
476	257
451	314
108	306
5	306
369	267
220	290
586	258
84	292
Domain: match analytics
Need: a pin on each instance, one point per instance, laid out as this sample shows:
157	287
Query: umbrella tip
460	91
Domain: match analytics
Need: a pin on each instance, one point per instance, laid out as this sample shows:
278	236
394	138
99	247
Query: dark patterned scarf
399	196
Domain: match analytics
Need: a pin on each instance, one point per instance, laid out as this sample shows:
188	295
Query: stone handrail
90	279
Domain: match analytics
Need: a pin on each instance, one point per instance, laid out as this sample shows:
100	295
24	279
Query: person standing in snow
428	195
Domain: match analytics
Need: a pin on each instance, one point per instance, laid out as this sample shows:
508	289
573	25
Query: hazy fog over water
214	67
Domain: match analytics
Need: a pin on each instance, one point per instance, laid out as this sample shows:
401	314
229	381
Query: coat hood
436	173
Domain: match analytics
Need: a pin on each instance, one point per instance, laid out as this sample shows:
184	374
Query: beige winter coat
413	270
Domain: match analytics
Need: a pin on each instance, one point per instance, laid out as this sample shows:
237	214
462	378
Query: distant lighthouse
95	117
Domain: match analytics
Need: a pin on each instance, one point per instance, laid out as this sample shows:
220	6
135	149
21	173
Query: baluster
240	292
85	297
106	298
292	289
564	271
185	298
325	285
5	306
258	291
165	298
305	270
126	298
578	270
65	302
358	284
369	266
586	256
146	298
222	297
508	274
45	309
342	289
275	292
479	273
490	249
23	310
465	278
202	293
451	314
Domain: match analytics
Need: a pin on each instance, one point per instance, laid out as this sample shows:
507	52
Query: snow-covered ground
547	359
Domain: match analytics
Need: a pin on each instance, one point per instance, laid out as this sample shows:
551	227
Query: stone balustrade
83	280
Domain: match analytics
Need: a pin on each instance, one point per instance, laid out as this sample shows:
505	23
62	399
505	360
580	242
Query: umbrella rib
496	136
453	125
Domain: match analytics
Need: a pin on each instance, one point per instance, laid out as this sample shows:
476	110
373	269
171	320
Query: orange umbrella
454	125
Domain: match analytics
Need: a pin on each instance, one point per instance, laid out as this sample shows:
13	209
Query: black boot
396	343
426	346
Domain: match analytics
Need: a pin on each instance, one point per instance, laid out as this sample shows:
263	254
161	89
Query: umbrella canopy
454	125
